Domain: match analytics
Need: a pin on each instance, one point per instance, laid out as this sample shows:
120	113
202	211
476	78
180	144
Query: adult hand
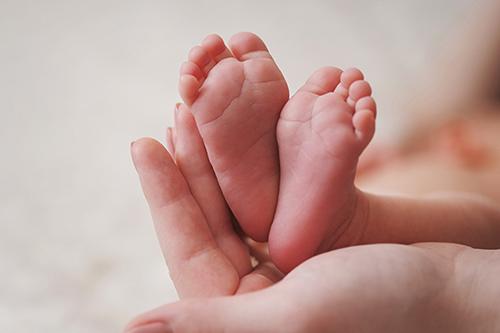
205	255
373	288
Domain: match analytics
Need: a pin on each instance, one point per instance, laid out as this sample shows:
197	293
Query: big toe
246	45
322	81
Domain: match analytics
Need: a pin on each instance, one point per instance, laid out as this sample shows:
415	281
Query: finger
192	159
196	264
258	250
263	276
170	142
269	310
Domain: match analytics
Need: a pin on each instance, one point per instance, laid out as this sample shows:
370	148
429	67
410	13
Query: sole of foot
236	94
321	133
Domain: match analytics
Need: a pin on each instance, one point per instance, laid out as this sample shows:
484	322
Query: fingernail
151	328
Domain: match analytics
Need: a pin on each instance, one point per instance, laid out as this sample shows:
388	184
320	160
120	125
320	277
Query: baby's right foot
236	96
321	133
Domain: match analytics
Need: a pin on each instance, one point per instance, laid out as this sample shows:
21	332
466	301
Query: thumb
268	310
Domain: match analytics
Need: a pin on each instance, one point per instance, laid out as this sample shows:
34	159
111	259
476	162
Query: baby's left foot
321	133
236	95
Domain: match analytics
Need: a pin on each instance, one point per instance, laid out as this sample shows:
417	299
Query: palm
372	273
206	257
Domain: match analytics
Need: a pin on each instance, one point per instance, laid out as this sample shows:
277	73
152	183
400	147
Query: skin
321	133
429	287
236	95
190	248
432	287
229	90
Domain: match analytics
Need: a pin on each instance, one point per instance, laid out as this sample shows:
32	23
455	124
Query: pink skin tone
321	133
229	91
428	287
356	289
196	233
240	90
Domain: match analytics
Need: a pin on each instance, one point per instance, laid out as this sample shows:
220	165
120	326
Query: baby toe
199	56
357	90
190	68
346	79
188	88
366	103
364	126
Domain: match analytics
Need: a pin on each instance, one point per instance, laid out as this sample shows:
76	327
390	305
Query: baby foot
321	133
236	96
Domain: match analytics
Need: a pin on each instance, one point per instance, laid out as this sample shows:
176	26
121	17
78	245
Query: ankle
356	223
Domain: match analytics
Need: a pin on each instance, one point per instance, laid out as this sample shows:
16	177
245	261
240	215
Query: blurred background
79	80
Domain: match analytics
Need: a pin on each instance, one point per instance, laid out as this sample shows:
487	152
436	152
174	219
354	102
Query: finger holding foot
193	163
185	237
